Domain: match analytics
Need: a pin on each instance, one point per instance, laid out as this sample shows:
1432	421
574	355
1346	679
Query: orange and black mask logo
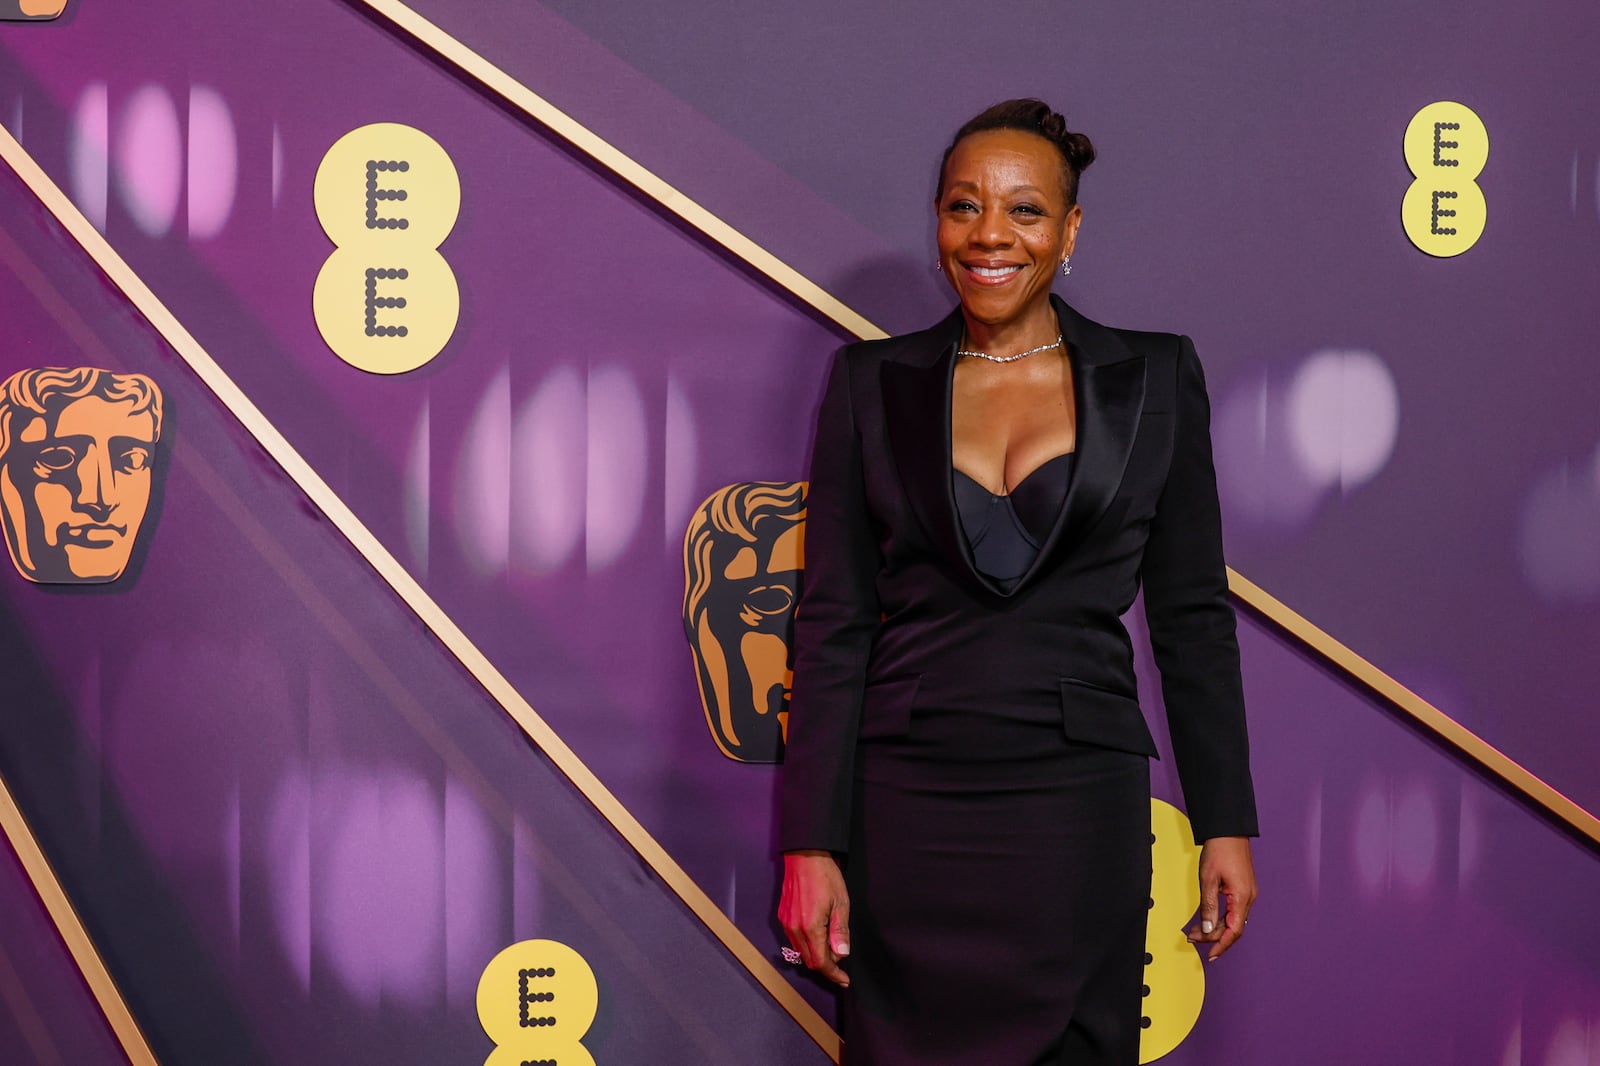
31	10
742	559
76	451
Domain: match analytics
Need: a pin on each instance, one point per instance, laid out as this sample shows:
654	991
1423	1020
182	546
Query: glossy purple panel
538	476
295	828
1410	912
48	1016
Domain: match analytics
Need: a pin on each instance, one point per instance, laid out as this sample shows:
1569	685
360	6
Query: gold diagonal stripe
430	613
88	960
1418	709
613	159
1253	596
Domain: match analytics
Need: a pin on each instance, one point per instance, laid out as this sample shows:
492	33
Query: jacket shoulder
1101	344
1152	344
921	346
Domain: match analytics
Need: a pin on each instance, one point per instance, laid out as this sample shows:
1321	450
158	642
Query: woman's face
1004	224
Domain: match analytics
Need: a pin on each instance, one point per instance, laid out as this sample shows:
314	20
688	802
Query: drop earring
938	266
1066	266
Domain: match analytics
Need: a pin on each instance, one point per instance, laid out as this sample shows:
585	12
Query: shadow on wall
915	290
106	868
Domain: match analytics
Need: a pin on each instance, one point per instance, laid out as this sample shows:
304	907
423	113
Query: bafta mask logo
76	447
742	558
31	10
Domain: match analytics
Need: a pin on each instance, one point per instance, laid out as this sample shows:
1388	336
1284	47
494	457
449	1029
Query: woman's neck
1014	335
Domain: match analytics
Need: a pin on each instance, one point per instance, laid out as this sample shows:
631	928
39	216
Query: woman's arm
834	624
833	630
1192	627
1193	635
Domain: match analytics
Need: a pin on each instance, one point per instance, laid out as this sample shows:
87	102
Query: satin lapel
1109	385
1109	389
916	410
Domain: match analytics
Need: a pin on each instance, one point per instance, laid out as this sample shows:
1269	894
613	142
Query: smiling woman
965	810
1008	218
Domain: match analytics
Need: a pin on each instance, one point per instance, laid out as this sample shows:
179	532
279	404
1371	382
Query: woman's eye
962	205
1027	209
56	458
134	459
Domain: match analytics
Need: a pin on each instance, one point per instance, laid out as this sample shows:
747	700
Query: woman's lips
999	274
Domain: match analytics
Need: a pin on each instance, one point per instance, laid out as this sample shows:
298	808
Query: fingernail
1206	926
841	949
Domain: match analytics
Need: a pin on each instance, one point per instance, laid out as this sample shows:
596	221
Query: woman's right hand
815	911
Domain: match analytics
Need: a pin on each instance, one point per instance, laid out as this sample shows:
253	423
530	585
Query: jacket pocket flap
886	707
1094	715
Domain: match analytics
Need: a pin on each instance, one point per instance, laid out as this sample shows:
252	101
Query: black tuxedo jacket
893	615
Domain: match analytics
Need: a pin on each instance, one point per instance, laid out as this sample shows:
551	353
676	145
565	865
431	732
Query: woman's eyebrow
973	185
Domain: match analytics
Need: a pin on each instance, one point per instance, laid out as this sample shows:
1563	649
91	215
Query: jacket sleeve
834	624
1192	625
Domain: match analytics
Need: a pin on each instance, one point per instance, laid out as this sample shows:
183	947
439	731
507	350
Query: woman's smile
992	275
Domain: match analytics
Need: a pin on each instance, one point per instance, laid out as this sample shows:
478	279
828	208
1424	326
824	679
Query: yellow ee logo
1446	148
387	195
1174	976
536	1000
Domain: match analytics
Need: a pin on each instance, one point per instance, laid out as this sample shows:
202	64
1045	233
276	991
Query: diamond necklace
1012	358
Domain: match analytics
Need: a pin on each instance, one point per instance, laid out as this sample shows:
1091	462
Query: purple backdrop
47	1013
610	370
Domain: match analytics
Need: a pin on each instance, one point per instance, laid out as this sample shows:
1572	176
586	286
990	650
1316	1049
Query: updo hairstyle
1030	116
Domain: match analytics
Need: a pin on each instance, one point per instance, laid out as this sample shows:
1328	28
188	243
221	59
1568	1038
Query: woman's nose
991	229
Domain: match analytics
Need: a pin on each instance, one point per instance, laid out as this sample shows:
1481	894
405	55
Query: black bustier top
1005	532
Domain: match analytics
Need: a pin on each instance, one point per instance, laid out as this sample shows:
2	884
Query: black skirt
999	881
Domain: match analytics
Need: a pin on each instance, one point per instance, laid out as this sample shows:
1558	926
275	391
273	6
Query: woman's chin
996	307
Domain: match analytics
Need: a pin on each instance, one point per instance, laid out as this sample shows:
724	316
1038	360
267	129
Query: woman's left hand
1225	871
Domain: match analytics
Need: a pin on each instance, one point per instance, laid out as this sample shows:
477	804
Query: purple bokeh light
213	166
89	153
548	462
149	154
483	480
618	465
